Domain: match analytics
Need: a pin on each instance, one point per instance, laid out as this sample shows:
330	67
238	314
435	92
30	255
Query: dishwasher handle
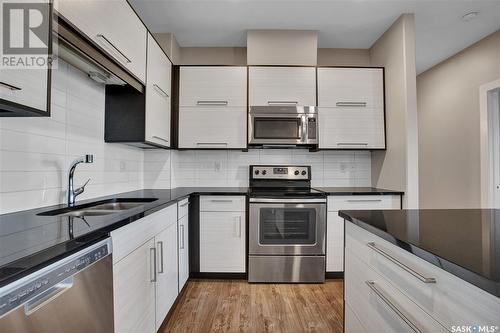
48	296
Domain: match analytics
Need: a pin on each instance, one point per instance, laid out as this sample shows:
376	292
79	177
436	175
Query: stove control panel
271	172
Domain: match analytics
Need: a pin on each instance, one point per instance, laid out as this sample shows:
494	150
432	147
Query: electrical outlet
217	166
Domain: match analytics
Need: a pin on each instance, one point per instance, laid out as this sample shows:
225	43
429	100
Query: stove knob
304	173
256	172
264	172
296	172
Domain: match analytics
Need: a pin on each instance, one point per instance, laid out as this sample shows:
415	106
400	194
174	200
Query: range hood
82	53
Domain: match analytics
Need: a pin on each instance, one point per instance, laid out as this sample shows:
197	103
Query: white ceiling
440	31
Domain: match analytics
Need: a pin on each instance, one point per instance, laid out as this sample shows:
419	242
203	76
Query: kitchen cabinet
212	107
183	242
167	287
113	26
222	234
145	271
158	95
134	291
335	224
25	92
142	120
282	86
379	273
351	108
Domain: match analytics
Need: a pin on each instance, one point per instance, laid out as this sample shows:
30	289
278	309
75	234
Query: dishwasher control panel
48	277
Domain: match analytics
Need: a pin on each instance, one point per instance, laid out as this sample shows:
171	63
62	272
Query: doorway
490	144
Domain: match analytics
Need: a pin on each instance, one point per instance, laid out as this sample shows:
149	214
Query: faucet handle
81	189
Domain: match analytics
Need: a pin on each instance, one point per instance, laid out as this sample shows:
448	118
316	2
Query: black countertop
463	242
29	241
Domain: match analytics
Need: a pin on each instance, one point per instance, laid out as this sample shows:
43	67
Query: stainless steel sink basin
116	206
99	208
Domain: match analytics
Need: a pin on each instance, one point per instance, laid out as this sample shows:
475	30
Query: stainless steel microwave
283	125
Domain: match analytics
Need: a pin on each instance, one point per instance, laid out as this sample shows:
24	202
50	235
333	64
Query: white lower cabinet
145	271
167	275
222	234
391	295
134	293
183	242
335	224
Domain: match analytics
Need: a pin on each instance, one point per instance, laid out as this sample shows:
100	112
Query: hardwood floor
237	306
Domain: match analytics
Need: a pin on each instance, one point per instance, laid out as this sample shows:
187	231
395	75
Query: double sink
99	208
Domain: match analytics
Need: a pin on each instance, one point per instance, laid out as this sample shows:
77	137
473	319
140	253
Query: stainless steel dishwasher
74	294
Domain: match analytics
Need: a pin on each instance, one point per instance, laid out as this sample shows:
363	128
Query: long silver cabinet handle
239	226
212	103
211	143
364	200
184	204
351	104
282	102
160	138
45	298
221	200
102	37
404	266
160	249
152	258
352	144
161	91
9	86
393	305
182	236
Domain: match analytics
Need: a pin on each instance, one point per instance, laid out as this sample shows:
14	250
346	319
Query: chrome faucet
72	193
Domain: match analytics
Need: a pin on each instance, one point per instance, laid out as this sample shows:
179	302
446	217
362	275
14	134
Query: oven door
287	227
277	129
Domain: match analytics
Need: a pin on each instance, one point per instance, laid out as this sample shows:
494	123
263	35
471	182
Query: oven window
277	128
287	226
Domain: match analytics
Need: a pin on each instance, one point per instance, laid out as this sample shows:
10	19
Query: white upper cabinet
213	107
213	86
158	95
351	87
114	26
282	86
28	87
351	108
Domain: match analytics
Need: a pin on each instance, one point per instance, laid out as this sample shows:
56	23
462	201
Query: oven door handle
285	201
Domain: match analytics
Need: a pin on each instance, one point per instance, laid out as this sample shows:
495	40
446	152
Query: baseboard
334	275
219	276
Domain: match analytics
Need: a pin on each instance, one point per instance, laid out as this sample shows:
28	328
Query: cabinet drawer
379	306
288	85
127	238
348	128
222	203
182	208
351	87
213	86
362	202
212	127
449	300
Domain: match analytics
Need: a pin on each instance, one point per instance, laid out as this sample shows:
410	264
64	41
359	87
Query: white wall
230	168
35	152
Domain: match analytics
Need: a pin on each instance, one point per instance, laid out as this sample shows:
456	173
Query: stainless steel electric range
287	224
